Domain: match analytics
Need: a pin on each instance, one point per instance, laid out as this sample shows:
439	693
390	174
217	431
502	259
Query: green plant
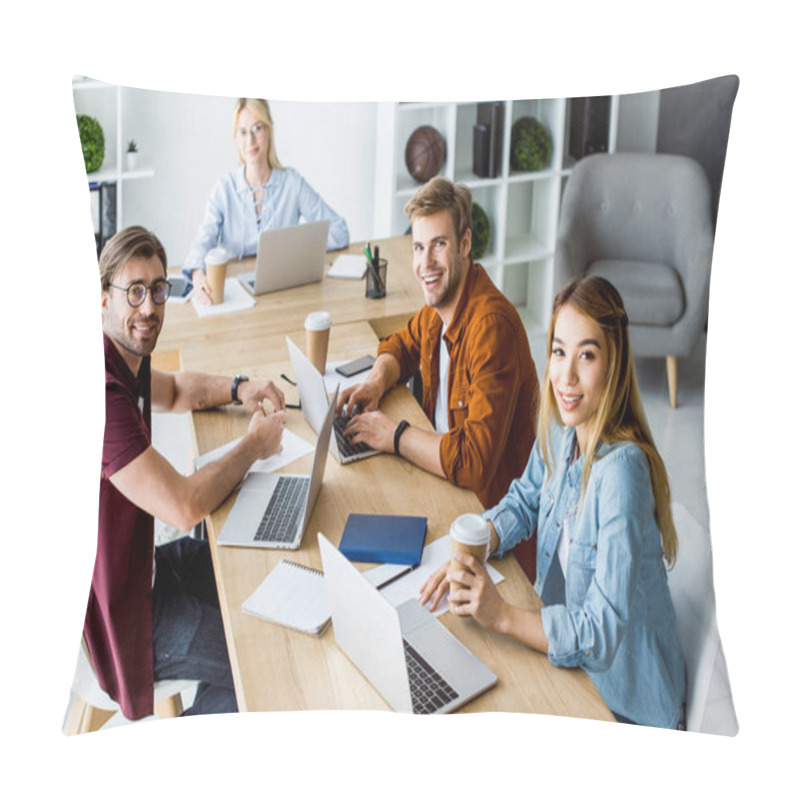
481	227
93	142
132	148
531	145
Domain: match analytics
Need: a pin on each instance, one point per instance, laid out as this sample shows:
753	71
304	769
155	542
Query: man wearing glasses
153	613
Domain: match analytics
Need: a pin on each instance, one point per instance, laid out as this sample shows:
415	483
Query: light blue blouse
231	222
612	615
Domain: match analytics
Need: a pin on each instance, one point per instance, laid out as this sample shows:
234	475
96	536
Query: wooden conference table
276	668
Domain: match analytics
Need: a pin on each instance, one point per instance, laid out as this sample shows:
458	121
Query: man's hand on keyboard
374	428
357	399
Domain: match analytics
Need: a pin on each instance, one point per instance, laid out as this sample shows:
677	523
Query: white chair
709	704
90	707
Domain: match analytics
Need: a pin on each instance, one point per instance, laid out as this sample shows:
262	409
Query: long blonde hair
260	109
620	417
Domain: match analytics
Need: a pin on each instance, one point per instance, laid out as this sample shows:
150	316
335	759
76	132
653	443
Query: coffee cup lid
217	255
318	321
470	529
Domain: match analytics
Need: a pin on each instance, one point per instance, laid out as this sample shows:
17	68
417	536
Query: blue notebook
384	539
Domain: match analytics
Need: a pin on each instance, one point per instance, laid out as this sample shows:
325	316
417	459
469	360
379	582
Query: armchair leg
672	380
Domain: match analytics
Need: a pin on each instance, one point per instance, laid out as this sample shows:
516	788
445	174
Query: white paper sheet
408	586
294	447
236	299
350	266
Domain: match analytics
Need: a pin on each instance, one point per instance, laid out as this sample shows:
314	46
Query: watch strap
398	432
235	388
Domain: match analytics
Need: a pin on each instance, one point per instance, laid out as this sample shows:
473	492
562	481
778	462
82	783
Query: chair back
86	686
633	206
709	705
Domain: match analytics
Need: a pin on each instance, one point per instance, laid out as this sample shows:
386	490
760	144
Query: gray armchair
643	221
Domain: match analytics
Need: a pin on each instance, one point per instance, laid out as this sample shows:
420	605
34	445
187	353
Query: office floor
678	433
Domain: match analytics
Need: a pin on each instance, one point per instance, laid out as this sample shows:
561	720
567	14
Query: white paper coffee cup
469	534
318	329
216	271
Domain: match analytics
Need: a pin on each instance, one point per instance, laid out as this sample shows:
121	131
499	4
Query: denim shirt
230	220
612	613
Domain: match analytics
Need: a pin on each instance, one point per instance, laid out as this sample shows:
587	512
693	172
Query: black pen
376	264
395	577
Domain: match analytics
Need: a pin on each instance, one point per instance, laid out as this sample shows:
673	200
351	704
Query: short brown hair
132	242
440	194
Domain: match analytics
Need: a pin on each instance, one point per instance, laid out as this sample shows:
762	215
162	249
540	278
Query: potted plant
131	154
531	145
92	142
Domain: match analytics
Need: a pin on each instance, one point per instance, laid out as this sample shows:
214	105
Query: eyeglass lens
256	130
159	291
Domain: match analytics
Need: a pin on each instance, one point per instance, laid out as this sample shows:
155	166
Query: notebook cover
384	539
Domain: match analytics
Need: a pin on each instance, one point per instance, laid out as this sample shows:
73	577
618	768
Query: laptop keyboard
347	448
280	520
429	690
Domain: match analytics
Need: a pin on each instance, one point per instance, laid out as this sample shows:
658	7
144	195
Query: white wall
637	126
187	139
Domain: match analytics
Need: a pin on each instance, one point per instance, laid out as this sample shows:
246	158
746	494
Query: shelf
523	207
114	176
105	102
525	248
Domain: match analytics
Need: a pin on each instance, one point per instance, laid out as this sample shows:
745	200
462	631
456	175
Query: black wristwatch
398	432
235	388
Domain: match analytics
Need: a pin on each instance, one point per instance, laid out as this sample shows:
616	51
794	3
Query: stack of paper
351	266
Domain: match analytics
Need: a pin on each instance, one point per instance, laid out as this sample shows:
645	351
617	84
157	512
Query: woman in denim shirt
596	489
260	195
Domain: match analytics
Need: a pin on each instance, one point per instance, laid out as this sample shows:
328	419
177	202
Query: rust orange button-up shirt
492	389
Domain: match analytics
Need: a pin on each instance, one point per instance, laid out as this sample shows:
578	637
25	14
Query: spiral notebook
292	595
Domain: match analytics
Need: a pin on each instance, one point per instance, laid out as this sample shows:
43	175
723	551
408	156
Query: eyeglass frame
244	133
127	290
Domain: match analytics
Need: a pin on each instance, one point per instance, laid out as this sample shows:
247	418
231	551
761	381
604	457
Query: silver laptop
272	510
314	403
288	257
415	663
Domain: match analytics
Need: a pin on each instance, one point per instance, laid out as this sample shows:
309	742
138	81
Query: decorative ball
426	151
93	142
481	227
531	145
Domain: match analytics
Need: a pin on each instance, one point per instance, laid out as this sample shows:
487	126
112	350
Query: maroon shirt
119	617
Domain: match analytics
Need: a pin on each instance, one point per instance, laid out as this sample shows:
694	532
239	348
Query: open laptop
272	510
288	257
314	403
415	663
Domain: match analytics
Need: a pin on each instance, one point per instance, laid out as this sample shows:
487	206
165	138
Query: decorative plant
93	142
531	145
132	148
481	227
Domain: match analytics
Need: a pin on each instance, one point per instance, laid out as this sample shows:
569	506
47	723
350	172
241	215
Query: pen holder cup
376	288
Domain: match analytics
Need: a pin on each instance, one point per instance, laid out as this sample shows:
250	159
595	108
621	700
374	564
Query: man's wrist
398	432
239	379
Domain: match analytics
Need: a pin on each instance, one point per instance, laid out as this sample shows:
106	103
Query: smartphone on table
354	367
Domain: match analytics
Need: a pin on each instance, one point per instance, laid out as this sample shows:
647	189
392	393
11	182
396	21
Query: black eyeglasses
137	292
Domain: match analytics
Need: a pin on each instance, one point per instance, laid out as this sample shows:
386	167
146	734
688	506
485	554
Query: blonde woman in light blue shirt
259	195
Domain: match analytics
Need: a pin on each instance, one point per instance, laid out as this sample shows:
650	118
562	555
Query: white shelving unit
523	207
104	102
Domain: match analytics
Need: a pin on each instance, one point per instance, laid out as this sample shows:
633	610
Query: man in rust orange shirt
479	384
